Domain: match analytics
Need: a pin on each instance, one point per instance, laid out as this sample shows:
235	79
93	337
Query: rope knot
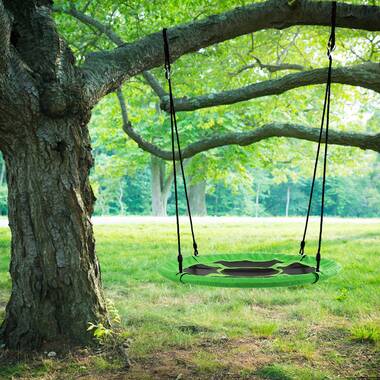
180	260
195	246
302	247
167	71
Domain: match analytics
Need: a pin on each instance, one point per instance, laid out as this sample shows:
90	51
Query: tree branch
284	51
155	84
268	67
84	9
106	70
141	142
82	17
366	75
360	140
113	37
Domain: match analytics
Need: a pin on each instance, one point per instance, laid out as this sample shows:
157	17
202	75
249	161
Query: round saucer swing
257	269
249	270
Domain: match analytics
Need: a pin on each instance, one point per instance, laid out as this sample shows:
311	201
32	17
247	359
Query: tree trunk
287	202
44	111
257	200
2	173
56	284
160	194
120	199
197	198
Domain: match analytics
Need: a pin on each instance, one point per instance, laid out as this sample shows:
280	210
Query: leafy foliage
121	174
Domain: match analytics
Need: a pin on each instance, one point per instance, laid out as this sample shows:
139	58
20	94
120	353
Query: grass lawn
326	331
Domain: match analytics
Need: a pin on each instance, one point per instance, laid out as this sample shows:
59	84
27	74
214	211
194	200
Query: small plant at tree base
111	336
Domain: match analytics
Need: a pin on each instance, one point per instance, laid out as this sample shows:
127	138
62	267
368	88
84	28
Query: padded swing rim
328	268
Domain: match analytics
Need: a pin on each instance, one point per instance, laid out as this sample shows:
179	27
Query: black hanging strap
303	242
325	113
175	137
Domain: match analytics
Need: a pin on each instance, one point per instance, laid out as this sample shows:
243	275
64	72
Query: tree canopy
238	77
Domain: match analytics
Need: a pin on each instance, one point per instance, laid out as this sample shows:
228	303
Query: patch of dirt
243	358
225	358
352	359
233	359
69	365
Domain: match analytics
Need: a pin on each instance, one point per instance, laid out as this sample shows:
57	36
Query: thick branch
360	140
366	75
106	70
38	44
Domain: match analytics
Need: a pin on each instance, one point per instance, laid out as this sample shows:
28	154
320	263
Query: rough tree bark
56	284
54	269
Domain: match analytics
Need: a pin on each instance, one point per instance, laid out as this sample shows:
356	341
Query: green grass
366	332
328	330
287	372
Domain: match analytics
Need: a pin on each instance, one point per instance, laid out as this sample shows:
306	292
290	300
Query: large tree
45	105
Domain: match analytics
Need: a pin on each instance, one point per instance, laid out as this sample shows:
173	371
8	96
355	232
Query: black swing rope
325	113
175	138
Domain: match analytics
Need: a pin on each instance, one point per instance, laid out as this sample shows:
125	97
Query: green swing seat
249	270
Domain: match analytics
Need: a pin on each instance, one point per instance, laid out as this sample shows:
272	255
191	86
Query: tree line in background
356	195
268	178
347	196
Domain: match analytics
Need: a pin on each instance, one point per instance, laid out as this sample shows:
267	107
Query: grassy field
326	331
